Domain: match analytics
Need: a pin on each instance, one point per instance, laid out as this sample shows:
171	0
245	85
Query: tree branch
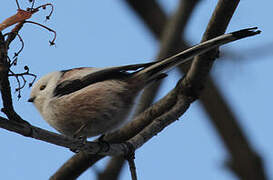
245	163
89	147
164	117
169	39
113	169
156	19
192	82
213	102
82	161
210	95
4	83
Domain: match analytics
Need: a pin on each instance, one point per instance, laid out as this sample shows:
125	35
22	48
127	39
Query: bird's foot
104	145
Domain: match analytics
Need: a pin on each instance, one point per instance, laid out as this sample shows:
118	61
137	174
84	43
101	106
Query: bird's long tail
152	71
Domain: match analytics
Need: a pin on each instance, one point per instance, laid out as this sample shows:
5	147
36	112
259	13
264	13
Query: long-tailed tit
92	101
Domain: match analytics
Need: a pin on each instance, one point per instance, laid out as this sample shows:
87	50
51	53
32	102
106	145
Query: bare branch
4	83
192	82
14	32
22	76
132	169
170	38
212	100
249	167
44	7
18	5
113	169
162	119
20	16
52	42
203	47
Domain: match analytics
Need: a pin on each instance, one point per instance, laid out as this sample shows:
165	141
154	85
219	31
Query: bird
89	101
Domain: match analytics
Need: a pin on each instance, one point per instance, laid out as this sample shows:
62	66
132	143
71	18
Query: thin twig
33	2
52	42
15	33
5	84
44	7
132	167
18	5
22	76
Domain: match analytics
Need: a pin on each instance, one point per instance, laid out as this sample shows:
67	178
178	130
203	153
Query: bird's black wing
119	72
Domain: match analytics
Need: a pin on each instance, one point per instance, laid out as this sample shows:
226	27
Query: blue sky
107	33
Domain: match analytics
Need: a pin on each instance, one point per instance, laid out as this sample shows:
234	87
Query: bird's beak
31	99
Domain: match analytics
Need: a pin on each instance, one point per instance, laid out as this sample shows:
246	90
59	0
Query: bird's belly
99	123
98	114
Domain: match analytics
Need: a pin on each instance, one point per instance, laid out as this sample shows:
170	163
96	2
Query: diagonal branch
113	169
156	19
170	37
192	85
150	12
40	134
212	100
246	163
159	112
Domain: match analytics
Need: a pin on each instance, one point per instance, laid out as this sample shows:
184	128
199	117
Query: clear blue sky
107	33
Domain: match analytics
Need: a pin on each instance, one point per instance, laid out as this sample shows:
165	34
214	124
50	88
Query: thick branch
156	19
185	55
60	140
170	38
151	13
167	117
182	104
81	161
74	167
113	169
115	149
220	114
245	162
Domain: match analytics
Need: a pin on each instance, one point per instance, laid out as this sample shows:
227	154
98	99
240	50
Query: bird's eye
42	87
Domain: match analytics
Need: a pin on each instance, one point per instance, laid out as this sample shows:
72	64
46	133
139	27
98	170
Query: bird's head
42	90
